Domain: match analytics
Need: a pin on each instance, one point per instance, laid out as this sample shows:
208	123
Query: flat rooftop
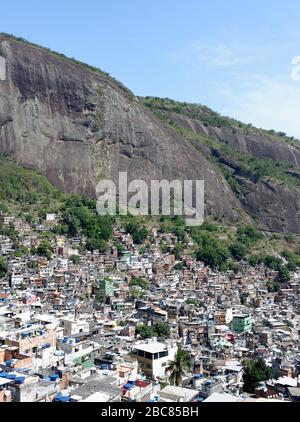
151	347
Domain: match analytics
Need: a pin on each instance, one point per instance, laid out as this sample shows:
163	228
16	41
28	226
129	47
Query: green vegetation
212	253
238	251
165	107
23	190
3	267
248	234
144	331
100	297
283	275
255	371
43	249
180	366
55	53
192	302
179	266
79	216
195	111
75	259
158	330
246	164
138	281
139	234
27	193
162	329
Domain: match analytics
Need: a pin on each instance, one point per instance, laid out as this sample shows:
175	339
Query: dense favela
120	306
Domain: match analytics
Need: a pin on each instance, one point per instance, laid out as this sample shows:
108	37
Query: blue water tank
11	376
60	398
46	346
19	380
53	377
104	366
3	374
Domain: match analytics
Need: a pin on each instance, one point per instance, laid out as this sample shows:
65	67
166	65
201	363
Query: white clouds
252	83
266	103
219	55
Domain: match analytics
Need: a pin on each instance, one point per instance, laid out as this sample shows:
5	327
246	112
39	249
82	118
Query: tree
162	329
138	281
145	331
238	250
249	234
255	260
44	249
139	234
100	298
3	267
75	259
255	371
283	275
178	266
94	244
178	367
273	262
214	256
177	250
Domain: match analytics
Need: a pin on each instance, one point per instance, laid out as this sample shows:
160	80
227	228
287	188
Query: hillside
261	167
75	125
28	194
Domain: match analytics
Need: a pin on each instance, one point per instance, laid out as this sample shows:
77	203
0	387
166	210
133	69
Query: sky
233	56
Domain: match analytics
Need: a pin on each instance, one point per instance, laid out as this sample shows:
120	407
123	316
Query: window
164	364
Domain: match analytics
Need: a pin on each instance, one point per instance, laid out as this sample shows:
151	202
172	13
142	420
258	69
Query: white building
74	326
153	357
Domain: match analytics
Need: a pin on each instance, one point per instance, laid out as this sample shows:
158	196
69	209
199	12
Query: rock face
272	202
78	126
253	144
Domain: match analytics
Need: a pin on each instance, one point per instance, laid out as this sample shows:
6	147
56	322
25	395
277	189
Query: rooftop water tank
53	377
19	380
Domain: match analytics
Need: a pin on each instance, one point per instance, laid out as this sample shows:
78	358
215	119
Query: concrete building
241	323
154	357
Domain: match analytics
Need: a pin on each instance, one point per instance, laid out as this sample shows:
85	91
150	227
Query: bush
3	267
139	282
139	234
249	234
255	371
283	275
212	252
238	250
145	331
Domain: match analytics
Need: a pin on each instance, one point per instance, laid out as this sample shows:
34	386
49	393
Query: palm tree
178	367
